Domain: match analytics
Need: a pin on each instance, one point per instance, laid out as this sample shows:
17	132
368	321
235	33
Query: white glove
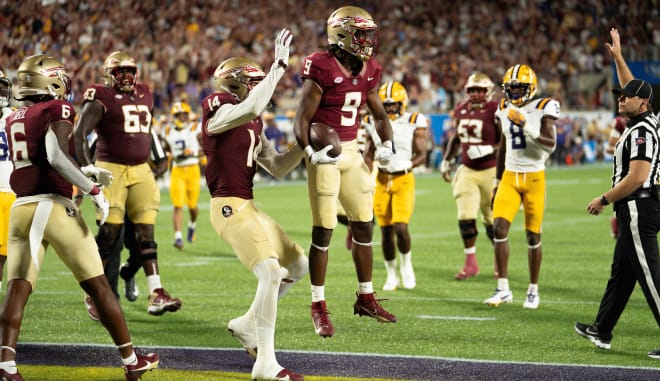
101	204
478	151
282	42
384	153
518	118
321	157
532	131
98	175
445	166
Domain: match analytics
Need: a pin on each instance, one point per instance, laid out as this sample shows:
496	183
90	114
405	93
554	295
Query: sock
365	288
502	283
470	256
533	289
318	293
390	266
406	258
153	282
9	366
265	309
177	235
130	360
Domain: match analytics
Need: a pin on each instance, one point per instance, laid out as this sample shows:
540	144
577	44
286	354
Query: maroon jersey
231	155
343	93
477	127
124	129
26	129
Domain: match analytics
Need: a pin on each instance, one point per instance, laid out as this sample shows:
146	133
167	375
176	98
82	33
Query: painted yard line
455	317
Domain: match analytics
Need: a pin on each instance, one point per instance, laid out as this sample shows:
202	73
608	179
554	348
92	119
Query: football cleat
178	243
91	308
655	354
247	339
391	284
499	297
367	305
160	302
282	375
144	363
408	276
191	234
532	301
591	333
321	319
6	376
131	291
467	272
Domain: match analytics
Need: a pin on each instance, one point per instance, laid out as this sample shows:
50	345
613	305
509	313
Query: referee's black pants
635	259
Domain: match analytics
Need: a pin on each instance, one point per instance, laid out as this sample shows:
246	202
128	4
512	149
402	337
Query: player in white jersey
394	197
183	139
528	128
7	196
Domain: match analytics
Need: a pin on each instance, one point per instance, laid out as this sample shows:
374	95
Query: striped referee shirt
639	141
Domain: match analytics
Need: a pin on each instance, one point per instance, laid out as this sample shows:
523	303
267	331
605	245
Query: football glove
445	170
321	157
478	151
98	175
516	117
101	204
384	153
282	42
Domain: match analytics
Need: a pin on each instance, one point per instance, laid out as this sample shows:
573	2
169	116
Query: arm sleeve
229	116
60	161
278	164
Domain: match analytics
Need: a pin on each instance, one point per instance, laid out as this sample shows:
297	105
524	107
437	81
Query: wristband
496	183
309	150
603	200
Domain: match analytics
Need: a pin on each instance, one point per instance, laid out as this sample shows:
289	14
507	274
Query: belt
395	173
642	194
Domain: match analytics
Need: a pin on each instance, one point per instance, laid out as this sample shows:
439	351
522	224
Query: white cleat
532	301
408	276
391	284
246	338
499	297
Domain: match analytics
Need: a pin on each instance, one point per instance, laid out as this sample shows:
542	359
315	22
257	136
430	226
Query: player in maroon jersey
234	143
337	83
44	214
478	139
120	113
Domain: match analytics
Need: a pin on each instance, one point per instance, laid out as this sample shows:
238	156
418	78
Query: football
321	135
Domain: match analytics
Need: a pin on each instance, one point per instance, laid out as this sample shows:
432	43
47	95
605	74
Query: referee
636	198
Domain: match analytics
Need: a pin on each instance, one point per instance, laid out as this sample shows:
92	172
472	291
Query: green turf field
441	317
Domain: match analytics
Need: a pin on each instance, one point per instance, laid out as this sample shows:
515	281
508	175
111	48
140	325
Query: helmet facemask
353	30
120	71
519	84
5	90
394	97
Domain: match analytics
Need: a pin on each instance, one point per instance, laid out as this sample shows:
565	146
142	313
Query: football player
183	141
234	143
39	146
336	84
7	196
120	113
394	197
529	137
478	139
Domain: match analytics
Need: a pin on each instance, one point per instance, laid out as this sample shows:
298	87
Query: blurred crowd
429	46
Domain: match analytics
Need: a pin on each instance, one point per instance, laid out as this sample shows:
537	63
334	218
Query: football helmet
180	112
354	31
237	76
394	97
5	90
120	71
42	75
519	84
479	81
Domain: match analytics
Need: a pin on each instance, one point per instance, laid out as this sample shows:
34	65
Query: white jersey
183	144
403	131
524	154
6	165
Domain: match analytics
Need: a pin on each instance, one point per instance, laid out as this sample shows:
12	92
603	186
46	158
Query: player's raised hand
282	43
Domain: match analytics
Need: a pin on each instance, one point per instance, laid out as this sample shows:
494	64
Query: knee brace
148	250
106	243
468	228
489	232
